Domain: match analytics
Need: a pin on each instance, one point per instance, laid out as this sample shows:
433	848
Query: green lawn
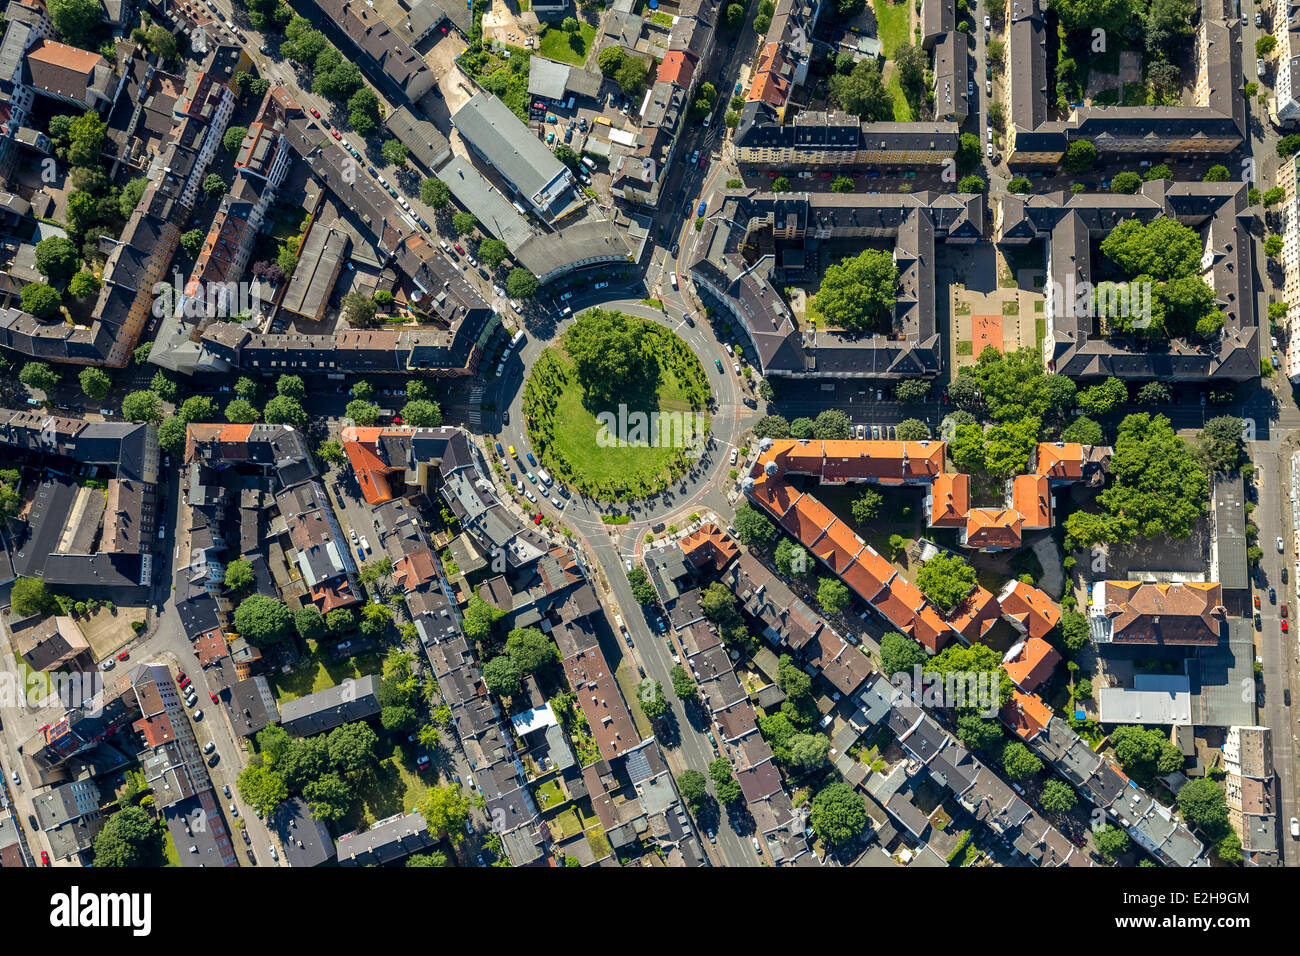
550	794
395	787
627	682
555	44
902	109
320	669
893	22
580	452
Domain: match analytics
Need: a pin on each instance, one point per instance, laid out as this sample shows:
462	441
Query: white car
989	130
234	810
365	545
733	456
209	747
559	505
275	856
530	496
1280	546
353	533
198	715
987	21
1295	828
735	366
988	148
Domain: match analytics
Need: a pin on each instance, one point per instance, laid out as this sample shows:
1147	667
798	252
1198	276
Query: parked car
1281	548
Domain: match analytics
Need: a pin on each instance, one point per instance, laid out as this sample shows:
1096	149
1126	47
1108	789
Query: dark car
1284	574
1259	622
214	760
1272	596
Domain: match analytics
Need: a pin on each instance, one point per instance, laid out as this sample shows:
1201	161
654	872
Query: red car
214	698
1284	627
180	676
537	519
397	419
1257	600
335	134
457	247
315	112
124	655
45	858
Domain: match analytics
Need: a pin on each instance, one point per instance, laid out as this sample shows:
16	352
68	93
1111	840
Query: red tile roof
1029	608
678	67
1030	663
949	499
1026	714
993	528
709	545
1031	495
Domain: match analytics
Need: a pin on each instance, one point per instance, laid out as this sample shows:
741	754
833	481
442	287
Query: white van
445	247
543	477
518	338
589	163
672	277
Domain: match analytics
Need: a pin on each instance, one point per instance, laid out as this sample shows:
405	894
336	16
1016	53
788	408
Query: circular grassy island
615	409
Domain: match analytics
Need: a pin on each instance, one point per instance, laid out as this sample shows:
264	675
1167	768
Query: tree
724	781
434	193
213	186
239	575
241	411
192	242
1019	184
1103	398
1080	156
479	617
171	435
610	352
1058	796
642	589
832	595
809	751
1216	174
446	811
912	429
735	16
969	151
131	837
1203	805
841	184
262	620
781	184
1273	246
632	74
752	527
832	424
28	596
142	406
610	59
196	408
422	413
329	797
1158	171
1164	249
801	427
1144	753
859	293
683	686
1264	45
40	376
493	252
234	138
375	619
946	580
352	749
1125	183
862	92
912	390
309	622
1158	487
531	650
866	506
838	814
1220	443
653	703
521	284
694	788
1019	762
56	259
432	858
1074	629
1111	841
283	410
900	654
772	426
395	152
1084	431
358	308
792	559
1153	393
464	223
40	300
972	184
76	20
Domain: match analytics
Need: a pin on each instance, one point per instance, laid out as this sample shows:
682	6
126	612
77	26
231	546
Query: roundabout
617	408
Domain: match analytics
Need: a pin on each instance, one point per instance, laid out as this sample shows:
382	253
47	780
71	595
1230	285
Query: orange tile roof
973	618
1031	495
1027	715
1062	460
678	67
371	471
1190	612
772	90
774	495
838	546
950	499
900	603
416	568
868	574
1032	664
993	527
709	545
64	56
930	629
801	457
807	519
1030	608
